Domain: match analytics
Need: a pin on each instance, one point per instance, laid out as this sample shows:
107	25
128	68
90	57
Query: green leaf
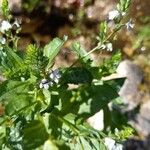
118	119
2	135
77	75
57	145
52	49
14	58
12	64
9	89
123	5
125	133
69	100
14	135
5	8
34	135
102	146
30	5
55	125
109	66
50	145
18	103
99	97
80	51
116	84
103	31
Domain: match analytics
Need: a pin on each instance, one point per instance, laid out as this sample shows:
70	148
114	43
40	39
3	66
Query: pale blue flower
55	75
129	25
44	84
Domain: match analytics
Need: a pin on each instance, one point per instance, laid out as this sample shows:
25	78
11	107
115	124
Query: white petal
5	26
46	86
56	80
43	80
109	46
113	14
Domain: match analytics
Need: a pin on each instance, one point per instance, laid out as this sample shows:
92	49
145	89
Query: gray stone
142	120
130	92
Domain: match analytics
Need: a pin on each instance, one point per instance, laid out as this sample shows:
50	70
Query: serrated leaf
77	75
34	135
14	58
10	88
99	97
17	103
5	8
52	49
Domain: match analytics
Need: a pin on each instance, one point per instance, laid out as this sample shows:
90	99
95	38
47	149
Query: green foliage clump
42	111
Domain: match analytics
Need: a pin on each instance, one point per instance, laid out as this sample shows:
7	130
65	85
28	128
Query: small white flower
109	47
113	14
56	80
2	40
5	26
55	75
44	81
51	75
44	84
110	143
129	25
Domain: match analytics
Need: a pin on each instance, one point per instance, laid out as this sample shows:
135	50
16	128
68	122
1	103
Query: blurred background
42	20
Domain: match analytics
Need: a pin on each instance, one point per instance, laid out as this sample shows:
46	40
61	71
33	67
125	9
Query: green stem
99	46
81	144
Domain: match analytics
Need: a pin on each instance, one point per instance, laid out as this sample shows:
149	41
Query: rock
97	120
145	110
142	120
133	144
99	11
137	144
130	92
135	97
